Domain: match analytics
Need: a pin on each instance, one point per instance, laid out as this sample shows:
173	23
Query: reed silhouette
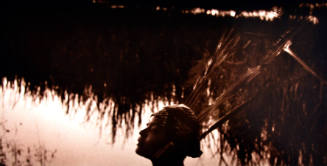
266	101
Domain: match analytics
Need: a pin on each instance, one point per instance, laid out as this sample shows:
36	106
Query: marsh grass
268	104
272	107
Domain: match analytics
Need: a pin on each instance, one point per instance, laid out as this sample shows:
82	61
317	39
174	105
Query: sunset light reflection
78	131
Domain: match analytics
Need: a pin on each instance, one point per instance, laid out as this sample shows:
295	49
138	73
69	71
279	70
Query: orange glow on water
313	5
158	8
310	18
261	14
117	6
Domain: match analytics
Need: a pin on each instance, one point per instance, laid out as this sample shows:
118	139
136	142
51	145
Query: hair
183	128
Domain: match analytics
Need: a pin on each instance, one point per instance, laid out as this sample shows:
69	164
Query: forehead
157	121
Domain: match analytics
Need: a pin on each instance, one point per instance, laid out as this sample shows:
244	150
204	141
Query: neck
172	161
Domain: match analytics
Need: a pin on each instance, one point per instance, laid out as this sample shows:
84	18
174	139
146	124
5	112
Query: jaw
140	151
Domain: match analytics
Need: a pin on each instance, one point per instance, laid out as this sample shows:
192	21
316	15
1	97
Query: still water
41	123
92	85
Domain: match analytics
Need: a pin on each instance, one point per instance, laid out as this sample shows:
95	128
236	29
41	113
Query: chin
138	150
141	152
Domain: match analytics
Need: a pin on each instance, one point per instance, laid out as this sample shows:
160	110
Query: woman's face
151	139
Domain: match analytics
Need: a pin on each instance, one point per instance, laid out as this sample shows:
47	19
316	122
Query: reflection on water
266	97
70	131
265	15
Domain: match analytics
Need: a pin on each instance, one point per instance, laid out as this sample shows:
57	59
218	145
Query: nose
143	132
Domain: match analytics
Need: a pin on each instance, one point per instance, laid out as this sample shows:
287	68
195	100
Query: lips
140	141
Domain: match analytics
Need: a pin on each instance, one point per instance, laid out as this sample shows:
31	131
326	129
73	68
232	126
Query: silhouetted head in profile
171	135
